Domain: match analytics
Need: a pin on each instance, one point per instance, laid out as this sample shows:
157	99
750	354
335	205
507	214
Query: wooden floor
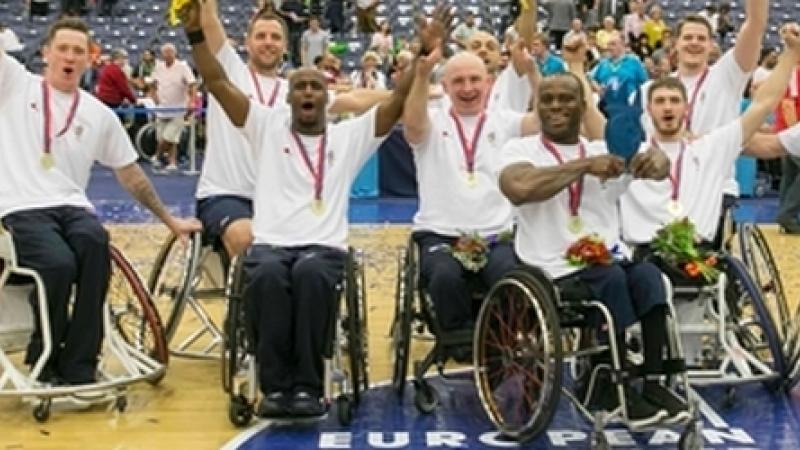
188	409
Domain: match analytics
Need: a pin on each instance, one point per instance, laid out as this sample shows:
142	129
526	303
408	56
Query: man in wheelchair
699	165
50	136
305	169
566	189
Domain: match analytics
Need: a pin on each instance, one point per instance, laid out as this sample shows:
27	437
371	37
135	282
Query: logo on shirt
490	137
78	130
286	151
34	106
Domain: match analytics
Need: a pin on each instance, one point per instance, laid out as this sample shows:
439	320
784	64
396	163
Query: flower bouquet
676	244
472	250
174	8
587	251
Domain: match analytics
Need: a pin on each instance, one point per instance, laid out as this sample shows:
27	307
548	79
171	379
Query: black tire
235	349
145	141
518	370
760	262
753	323
133	312
171	277
352	324
344	409
240	412
401	328
426	399
42	411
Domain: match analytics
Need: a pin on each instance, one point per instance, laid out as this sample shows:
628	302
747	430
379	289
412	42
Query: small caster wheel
42	411
730	398
599	440
240	412
425	398
344	409
692	436
121	403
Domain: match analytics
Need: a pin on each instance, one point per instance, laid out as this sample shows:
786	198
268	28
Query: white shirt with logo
95	134
172	83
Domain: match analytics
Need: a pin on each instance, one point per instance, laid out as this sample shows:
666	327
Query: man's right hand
605	166
190	15
435	31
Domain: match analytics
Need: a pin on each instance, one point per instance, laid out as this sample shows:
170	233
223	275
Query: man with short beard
304	171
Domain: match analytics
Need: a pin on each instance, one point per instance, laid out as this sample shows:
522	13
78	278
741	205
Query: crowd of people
508	136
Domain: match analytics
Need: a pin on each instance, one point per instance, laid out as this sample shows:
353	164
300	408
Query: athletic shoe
665	398
274	404
305	405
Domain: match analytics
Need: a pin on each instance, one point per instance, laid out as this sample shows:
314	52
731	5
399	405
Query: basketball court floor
188	409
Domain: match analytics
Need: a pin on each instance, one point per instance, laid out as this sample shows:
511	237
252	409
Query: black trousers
290	293
67	246
445	278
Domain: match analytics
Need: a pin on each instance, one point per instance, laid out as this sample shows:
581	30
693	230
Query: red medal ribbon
675	170
690	109
575	188
260	94
319	173
469	148
47	116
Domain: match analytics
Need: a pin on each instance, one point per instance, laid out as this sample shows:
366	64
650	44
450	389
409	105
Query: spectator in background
593	54
641	48
314	42
575	32
365	13
769	57
654	27
561	14
369	77
383	44
402	62
112	84
294	13
72	7
334	14
464	30
549	64
106	7
143	70
722	22
176	90
633	22
619	75
661	66
667	49
605	34
786	115
9	41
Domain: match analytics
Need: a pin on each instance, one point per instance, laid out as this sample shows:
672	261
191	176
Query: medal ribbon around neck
690	108
575	188
675	171
469	148
260	94
48	119
319	173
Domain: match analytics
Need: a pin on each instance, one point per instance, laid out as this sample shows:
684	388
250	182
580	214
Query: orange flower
692	269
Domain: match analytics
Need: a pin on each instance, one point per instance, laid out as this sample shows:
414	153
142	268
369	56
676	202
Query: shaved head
463	60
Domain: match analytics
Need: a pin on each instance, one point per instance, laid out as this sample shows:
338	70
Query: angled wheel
170	280
401	327
761	264
240	412
752	323
517	353
354	326
234	353
133	312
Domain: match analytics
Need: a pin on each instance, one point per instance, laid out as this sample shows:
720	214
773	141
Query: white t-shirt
285	188
448	204
229	167
543	236
94	135
717	104
703	175
173	86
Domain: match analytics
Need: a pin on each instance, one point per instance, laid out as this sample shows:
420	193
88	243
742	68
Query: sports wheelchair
345	356
527	328
193	275
414	311
133	350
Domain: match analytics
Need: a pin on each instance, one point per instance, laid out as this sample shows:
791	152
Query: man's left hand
652	164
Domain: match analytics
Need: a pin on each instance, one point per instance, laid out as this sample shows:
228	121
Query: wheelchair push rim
401	325
517	356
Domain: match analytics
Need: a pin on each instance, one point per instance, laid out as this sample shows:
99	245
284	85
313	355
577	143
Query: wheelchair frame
343	384
128	355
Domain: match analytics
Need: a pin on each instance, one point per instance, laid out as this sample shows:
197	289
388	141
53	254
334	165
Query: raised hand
790	35
436	29
521	58
574	50
426	63
190	15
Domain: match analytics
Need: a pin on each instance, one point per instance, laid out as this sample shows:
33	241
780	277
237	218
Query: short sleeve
259	122
229	60
360	134
730	72
12	76
117	151
512	153
727	141
790	139
188	75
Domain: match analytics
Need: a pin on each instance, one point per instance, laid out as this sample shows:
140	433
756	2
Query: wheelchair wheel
133	312
234	354
517	353
759	260
355	327
401	327
171	277
145	141
752	322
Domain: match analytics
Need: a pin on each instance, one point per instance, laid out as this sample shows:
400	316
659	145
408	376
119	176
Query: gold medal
47	161
317	207
575	224
674	207
472	180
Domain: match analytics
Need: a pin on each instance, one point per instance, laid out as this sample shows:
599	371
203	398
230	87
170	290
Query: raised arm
416	123
772	89
748	41
594	122
526	22
212	26
524	183
232	100
358	101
